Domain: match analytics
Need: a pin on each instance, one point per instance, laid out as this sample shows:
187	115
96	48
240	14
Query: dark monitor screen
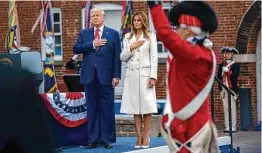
72	82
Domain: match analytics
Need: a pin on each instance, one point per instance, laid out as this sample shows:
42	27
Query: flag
88	7
12	41
49	80
127	11
47	36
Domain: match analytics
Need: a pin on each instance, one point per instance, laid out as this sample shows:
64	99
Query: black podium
11	59
30	61
72	82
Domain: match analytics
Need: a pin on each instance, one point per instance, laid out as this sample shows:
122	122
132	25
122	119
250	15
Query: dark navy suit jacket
233	77
106	59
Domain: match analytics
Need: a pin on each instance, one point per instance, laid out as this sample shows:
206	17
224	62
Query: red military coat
189	72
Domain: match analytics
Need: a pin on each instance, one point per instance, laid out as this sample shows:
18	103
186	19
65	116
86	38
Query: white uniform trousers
224	97
204	141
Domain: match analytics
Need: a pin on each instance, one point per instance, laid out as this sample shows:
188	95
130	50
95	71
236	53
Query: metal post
230	120
259	76
229	94
212	104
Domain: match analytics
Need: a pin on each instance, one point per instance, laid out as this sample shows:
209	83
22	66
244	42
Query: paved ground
248	141
123	144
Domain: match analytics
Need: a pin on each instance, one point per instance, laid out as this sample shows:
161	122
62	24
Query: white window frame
162	56
83	17
106	6
58	10
58	58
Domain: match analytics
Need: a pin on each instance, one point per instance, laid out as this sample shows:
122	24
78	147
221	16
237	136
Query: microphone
13	28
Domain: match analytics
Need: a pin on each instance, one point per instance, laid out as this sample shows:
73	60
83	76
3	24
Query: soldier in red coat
188	127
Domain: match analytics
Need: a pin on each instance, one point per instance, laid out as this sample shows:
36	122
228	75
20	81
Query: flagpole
12	39
51	18
47	34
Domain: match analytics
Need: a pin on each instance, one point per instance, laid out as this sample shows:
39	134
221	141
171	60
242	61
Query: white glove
235	97
225	69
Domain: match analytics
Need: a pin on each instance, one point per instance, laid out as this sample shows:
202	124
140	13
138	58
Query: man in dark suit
228	73
100	72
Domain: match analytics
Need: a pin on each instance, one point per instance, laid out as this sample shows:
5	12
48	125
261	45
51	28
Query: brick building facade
239	21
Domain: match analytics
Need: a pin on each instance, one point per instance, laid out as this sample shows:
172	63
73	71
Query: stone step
125	125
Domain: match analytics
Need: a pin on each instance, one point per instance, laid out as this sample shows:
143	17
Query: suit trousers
100	112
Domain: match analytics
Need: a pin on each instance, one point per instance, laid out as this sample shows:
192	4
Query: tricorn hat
229	49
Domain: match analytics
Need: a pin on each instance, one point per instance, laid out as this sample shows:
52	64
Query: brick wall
229	15
125	126
160	84
3	24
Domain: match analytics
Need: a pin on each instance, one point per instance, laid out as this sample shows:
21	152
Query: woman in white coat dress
139	96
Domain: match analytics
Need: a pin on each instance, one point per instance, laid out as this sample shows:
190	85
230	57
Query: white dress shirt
100	30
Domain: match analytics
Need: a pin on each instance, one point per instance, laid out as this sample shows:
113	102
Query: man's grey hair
97	9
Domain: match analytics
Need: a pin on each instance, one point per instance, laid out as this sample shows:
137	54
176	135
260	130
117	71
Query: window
57	24
58	34
162	51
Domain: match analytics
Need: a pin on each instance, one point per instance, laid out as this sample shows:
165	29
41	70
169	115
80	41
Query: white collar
229	61
100	28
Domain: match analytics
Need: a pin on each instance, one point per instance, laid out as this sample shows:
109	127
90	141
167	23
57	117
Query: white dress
141	66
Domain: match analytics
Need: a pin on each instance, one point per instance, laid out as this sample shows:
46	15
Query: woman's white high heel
145	146
138	144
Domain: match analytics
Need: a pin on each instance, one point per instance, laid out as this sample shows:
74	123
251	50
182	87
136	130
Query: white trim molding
259	76
108	6
245	58
162	57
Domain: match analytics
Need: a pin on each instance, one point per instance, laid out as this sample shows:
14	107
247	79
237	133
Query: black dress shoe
90	146
108	146
100	145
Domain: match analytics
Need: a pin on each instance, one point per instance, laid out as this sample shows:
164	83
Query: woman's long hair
145	26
